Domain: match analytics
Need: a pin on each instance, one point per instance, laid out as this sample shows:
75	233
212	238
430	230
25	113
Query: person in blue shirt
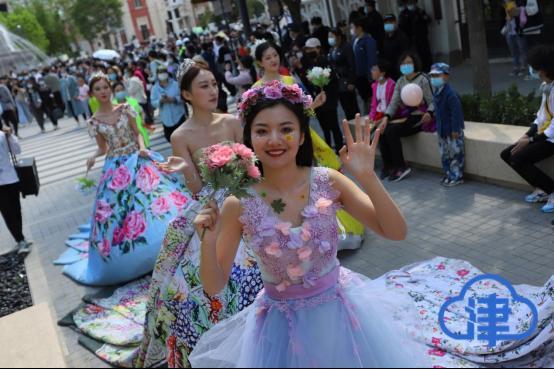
166	96
365	52
450	125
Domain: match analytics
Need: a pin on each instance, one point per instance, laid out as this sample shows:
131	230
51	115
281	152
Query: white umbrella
106	55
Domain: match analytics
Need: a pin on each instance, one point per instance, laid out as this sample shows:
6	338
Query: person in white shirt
10	205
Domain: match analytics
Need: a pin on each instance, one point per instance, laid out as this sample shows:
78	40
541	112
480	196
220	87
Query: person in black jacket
414	21
42	102
326	114
321	32
341	59
374	23
395	45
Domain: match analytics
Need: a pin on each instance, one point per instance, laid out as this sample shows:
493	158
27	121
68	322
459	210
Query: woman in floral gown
135	201
178	311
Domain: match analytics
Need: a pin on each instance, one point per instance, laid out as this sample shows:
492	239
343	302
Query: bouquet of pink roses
230	167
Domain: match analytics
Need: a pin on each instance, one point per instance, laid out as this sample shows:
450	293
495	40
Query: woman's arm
134	128
180	149
222	237
101	151
241	80
155	97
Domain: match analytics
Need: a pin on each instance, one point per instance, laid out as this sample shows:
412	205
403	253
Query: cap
312	43
440	68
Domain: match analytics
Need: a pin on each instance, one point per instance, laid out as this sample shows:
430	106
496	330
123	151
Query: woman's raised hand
358	156
174	164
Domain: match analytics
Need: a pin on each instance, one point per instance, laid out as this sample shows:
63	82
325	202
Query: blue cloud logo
489	315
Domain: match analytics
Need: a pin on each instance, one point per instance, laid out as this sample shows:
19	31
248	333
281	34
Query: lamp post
276	12
247	28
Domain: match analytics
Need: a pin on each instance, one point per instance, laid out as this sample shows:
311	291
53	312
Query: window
145	32
170	15
138	3
177	14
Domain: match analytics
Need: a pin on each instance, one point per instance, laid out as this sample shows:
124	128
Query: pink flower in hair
273	92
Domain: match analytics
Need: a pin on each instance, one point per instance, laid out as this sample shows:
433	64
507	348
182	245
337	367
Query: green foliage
23	23
255	8
507	107
94	18
205	19
49	15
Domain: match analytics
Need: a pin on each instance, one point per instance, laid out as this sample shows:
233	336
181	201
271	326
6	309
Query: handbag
27	173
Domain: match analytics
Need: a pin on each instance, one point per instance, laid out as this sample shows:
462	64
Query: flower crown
275	90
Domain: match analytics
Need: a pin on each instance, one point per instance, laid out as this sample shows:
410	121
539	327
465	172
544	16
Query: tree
94	18
205	19
48	15
295	9
23	23
479	48
255	7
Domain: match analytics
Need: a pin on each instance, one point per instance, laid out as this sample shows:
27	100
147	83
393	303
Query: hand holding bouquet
319	77
230	167
85	186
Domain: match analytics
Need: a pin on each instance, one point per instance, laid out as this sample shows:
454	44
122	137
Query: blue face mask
332	42
113	77
121	96
437	82
534	74
407	69
389	27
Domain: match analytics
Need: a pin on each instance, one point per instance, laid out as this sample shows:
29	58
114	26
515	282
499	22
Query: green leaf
278	206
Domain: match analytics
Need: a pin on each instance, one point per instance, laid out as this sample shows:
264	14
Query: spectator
327	113
121	97
517	43
450	125
21	101
374	23
383	91
166	96
321	32
294	38
7	102
414	21
70	95
84	96
247	74
10	205
538	143
341	58
395	44
52	80
154	65
414	120
533	24
365	52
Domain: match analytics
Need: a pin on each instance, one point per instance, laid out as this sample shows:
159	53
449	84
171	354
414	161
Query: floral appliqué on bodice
120	137
295	256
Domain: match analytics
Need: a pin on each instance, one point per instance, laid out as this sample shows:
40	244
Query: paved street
487	225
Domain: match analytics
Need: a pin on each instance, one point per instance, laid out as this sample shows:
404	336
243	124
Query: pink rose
304	253
441	267
121	179
462	273
437	352
323	204
134	225
179	199
274	250
295	272
103	211
118	236
160	206
284	228
243	151
221	157
308	101
436	341
147	179
273	92
254	172
106	248
306	234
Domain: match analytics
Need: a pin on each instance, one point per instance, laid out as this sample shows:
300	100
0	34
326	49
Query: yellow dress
352	230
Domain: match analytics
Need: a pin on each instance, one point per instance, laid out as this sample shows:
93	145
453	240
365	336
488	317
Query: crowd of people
202	305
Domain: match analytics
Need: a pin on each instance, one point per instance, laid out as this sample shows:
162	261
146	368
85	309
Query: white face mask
163	77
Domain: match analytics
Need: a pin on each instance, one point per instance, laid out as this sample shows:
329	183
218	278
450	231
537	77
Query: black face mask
312	55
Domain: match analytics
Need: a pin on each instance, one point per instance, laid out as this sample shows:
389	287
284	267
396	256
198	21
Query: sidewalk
486	225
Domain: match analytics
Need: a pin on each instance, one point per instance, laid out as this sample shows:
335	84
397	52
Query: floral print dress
133	207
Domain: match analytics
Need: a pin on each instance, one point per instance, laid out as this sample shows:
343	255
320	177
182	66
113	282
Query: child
383	90
450	125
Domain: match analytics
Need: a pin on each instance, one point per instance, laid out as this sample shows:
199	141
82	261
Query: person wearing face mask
374	23
450	125
167	97
538	143
341	58
365	52
121	96
383	90
415	22
413	119
321	32
395	44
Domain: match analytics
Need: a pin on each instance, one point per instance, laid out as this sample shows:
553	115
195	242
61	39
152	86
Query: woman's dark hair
338	34
305	156
248	63
192	73
541	58
360	22
94	80
261	49
116	84
415	57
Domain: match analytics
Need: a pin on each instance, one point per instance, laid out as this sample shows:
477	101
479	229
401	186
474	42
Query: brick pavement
486	225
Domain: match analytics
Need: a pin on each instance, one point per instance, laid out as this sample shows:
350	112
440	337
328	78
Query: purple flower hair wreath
275	90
